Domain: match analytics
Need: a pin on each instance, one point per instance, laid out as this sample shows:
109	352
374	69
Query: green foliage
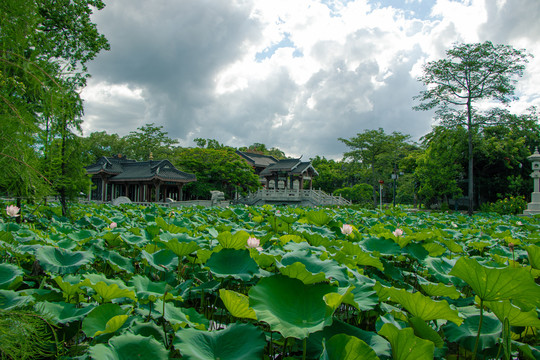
507	206
358	194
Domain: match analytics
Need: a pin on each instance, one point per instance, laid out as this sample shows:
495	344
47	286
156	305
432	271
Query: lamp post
394	178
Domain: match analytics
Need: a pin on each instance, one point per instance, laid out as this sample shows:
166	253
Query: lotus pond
268	283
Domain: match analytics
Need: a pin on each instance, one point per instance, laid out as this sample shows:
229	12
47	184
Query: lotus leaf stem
479	329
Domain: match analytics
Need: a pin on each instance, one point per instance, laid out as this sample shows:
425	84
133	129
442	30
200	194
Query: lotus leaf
96	321
298	271
162	260
465	335
330	268
10	276
149	290
229	344
182	249
129	347
291	307
346	347
505	309
237	304
434	249
112	291
237	241
235	263
119	261
439	289
9	299
422	306
61	312
62	261
424	331
146	329
533	251
319	218
493	284
382	246
181	316
407	346
284	239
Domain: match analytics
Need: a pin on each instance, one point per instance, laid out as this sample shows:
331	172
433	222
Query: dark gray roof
258	160
129	170
292	166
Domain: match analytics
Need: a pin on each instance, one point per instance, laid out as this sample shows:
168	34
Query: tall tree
44	48
149	139
377	151
471	73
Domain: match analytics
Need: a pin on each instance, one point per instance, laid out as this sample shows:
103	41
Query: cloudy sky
292	74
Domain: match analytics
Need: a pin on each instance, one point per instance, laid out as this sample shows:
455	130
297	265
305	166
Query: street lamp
381	182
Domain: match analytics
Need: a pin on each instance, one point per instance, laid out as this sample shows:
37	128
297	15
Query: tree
44	48
377	151
471	73
149	139
216	169
259	148
99	144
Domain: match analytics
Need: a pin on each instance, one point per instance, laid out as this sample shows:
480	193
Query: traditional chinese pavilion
140	181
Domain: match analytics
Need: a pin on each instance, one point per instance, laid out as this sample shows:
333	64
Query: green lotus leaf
147	289
162	260
407	346
237	304
61	312
10	276
493	284
134	240
90	279
298	271
237	241
440	267
129	347
439	289
113	325
82	235
362	297
236	342
233	263
465	335
60	261
376	342
70	285
533	252
346	347
505	309
434	249
147	329
285	239
181	316
452	246
182	249
422	306
319	218
360	257
118	262
291	307
96	321
382	246
9	299
424	331
112	291
330	268
113	239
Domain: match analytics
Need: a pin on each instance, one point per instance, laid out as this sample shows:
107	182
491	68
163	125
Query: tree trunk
471	171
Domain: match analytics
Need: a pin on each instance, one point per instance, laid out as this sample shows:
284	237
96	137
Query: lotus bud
398	232
113	225
253	242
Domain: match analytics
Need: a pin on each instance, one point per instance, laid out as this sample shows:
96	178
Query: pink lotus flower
346	229
398	232
253	243
12	210
113	225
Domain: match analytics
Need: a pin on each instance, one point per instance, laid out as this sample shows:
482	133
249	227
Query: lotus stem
479	329
305	349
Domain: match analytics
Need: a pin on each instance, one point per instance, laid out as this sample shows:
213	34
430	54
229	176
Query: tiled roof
258	160
130	170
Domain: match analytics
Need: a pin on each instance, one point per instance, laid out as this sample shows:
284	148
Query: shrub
507	206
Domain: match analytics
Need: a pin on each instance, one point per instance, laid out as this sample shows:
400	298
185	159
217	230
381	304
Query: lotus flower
253	243
12	210
113	225
398	232
346	229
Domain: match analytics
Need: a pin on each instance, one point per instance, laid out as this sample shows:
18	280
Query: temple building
140	181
